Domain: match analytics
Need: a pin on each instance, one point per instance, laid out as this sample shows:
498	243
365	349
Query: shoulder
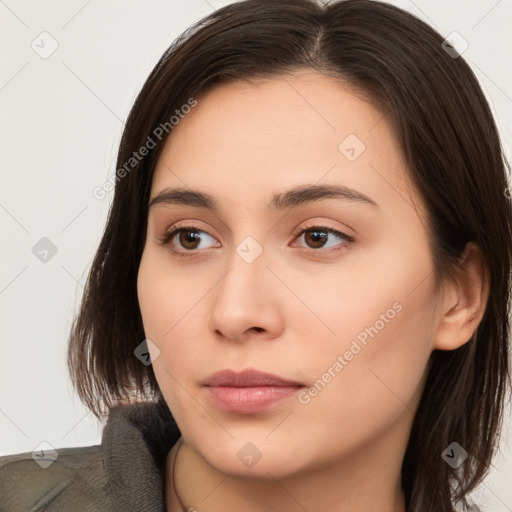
52	480
125	472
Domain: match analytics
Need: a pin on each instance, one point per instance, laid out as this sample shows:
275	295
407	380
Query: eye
190	238
317	237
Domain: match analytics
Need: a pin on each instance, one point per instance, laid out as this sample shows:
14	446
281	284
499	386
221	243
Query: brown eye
316	239
188	242
189	239
318	236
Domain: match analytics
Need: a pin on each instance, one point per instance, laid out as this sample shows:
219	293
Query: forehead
275	133
291	109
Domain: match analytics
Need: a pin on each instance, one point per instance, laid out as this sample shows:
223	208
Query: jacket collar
135	443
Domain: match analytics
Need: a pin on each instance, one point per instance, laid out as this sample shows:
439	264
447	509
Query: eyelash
168	235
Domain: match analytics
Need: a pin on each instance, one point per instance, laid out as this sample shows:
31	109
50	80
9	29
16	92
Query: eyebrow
291	198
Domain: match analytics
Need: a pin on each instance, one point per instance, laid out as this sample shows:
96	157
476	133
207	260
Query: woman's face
350	315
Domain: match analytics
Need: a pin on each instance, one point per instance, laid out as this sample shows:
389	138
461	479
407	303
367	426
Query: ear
464	301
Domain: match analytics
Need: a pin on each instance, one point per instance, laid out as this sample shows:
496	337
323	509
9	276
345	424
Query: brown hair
446	131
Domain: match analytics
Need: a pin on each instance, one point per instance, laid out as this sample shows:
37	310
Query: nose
245	302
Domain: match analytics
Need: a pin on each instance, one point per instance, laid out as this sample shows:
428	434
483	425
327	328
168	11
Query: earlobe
464	301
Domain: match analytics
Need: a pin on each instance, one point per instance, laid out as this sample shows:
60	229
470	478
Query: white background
61	121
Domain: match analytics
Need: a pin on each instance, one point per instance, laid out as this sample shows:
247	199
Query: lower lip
250	399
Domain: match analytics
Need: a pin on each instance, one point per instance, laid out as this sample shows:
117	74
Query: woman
305	277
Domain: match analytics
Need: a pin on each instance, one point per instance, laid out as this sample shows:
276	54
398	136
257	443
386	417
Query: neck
362	482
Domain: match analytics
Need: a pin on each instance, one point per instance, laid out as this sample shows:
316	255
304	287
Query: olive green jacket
124	473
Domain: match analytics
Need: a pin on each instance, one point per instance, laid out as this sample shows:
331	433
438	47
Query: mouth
249	391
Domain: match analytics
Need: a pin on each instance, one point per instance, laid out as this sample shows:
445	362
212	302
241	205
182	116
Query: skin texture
291	312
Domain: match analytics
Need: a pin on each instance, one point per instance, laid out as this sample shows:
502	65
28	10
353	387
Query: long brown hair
446	131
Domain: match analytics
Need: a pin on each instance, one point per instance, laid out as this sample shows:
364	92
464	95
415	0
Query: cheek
359	389
170	304
166	296
369	368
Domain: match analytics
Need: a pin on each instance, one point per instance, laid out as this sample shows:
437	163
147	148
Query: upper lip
247	378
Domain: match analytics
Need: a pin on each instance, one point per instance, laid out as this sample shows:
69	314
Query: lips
247	378
249	391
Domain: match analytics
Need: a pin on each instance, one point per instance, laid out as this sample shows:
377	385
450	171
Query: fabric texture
125	473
